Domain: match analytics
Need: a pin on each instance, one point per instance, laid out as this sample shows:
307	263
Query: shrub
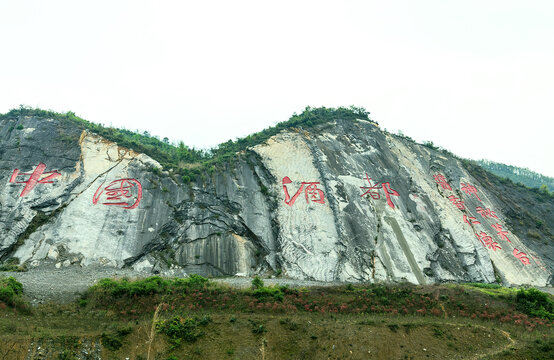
148	286
10	289
111	342
485	285
178	328
535	303
257	283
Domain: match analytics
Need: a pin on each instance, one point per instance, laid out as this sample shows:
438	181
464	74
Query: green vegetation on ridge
189	162
519	175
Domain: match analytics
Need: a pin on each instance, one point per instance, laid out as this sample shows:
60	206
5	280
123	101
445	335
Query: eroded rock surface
294	205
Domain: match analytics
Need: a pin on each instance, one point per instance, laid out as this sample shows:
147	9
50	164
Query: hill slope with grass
195	318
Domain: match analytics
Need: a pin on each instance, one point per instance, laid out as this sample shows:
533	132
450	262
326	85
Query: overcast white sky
476	77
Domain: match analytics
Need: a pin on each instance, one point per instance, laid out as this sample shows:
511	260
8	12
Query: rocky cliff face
342	201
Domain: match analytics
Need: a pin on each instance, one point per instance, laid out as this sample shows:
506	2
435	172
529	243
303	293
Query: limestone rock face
343	201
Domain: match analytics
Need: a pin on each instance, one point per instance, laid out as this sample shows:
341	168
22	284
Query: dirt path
46	284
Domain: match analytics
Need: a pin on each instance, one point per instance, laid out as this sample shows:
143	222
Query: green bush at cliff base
535	303
10	289
149	286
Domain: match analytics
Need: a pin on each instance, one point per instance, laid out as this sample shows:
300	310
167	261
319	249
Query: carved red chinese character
487	242
36	177
456	201
125	193
470	189
470	220
441	180
539	262
373	191
486	213
521	256
501	233
311	192
388	192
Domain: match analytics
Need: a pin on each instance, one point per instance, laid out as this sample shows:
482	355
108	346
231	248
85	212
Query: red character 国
470	220
373	191
311	192
459	203
486	213
125	193
487	242
38	176
470	189
441	180
501	233
521	256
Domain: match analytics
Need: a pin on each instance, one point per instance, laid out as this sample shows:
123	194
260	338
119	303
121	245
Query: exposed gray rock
240	221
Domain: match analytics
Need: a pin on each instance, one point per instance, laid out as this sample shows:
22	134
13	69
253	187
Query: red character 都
501	233
388	192
487	242
311	192
125	193
470	189
459	203
441	180
486	213
36	177
521	256
372	190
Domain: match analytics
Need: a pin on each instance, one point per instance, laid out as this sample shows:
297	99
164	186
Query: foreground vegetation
157	318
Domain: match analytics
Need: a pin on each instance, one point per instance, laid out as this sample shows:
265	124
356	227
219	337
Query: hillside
195	318
326	195
518	175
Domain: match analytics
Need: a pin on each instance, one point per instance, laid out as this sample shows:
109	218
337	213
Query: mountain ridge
239	214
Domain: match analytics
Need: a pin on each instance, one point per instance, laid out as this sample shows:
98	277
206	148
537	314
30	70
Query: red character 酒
521	256
441	180
456	201
486	213
311	192
125	193
501	233
36	177
470	189
487	242
470	220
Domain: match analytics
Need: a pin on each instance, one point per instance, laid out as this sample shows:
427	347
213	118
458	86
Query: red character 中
34	178
486	213
120	193
470	189
521	256
311	192
487	242
441	180
501	233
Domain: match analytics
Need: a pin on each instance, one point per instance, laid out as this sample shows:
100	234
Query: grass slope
193	318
